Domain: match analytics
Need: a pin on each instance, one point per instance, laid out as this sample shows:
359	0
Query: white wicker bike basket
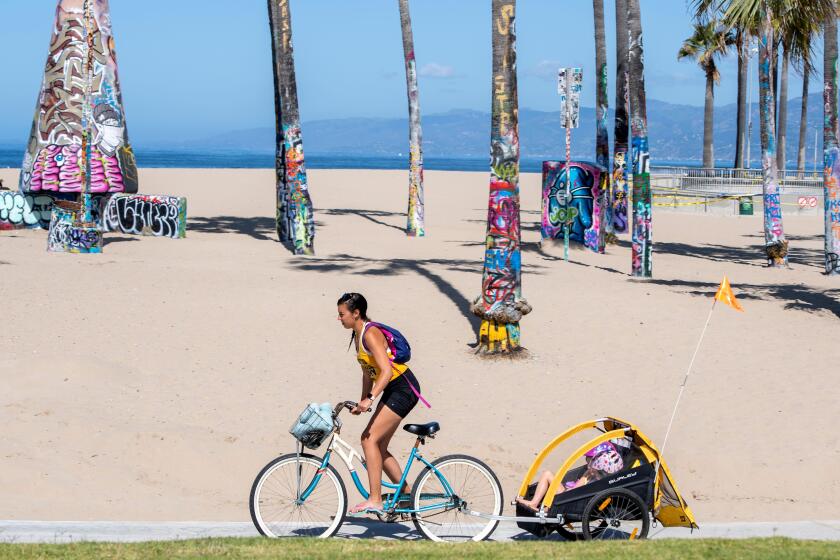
312	428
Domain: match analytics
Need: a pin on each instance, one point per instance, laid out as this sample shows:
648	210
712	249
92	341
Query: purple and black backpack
400	350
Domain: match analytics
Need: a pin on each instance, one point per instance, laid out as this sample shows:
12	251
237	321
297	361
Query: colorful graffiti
642	224
162	216
415	221
20	210
67	234
831	154
831	177
294	218
500	304
619	191
775	245
602	135
621	130
587	208
54	160
642	239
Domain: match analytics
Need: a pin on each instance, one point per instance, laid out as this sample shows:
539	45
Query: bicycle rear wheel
442	498
276	510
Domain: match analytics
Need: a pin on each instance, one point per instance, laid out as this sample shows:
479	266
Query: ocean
238	159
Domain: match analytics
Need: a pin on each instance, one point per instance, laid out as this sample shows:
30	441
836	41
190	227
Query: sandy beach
153	381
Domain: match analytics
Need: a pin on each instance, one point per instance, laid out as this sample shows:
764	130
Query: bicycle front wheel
444	496
293	497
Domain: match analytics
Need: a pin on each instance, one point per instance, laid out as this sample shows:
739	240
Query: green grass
333	548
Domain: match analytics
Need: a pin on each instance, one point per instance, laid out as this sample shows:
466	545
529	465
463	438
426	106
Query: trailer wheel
615	514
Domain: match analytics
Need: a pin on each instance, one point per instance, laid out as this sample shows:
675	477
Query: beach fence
726	191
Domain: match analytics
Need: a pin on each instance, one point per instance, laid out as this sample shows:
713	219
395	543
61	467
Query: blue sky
191	69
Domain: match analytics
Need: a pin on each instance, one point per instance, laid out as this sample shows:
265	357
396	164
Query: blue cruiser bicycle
299	494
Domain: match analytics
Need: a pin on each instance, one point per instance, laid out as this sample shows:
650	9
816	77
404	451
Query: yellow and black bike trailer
618	505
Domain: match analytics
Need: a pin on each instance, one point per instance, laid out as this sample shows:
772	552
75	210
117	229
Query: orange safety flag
725	295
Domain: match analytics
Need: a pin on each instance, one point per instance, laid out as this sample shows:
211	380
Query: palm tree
415	223
742	41
708	42
710	10
831	155
803	120
294	218
602	136
619	172
776	247
500	305
642	217
788	19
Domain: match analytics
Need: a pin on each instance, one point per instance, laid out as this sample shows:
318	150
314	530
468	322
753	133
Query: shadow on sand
420	267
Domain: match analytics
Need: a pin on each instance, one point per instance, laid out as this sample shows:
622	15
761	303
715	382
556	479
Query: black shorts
398	396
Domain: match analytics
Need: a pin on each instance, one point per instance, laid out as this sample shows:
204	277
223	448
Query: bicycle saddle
422	429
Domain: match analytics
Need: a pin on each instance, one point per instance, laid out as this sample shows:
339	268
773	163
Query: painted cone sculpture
294	218
500	305
55	158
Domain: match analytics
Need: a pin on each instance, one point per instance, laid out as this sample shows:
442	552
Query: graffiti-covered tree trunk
781	124
831	155
803	121
80	103
415	224
295	221
642	217
602	136
775	245
709	121
500	304
742	48
619	171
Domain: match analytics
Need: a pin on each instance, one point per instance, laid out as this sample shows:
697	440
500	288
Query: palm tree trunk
294	219
500	305
709	122
774	236
619	171
642	217
803	123
781	127
831	155
741	132
602	206
415	224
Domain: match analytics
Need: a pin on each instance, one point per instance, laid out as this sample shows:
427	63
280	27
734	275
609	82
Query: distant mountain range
675	132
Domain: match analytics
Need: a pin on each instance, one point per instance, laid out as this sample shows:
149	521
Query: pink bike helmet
605	457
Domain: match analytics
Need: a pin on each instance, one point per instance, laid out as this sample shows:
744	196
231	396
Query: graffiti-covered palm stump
501	305
585	212
53	161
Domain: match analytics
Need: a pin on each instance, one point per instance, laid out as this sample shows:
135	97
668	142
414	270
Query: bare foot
523	502
367	504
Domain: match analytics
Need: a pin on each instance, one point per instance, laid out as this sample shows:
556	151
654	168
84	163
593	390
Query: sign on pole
569	82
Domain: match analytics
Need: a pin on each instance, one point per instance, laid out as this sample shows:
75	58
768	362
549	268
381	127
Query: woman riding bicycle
398	388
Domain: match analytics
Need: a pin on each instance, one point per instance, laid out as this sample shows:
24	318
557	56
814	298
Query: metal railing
732	181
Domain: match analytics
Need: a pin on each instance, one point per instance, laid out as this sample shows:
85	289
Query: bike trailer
313	425
609	487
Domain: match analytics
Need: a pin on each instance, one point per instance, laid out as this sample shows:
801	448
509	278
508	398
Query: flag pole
685	381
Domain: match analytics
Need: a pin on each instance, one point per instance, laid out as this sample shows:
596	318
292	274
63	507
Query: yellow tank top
369	364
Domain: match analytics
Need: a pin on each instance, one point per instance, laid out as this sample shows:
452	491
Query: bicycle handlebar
349	405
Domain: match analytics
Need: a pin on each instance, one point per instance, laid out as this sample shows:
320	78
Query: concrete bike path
118	531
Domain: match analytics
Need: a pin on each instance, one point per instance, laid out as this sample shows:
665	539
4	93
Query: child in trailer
600	460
